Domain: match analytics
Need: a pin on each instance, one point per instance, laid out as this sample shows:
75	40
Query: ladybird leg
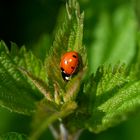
62	70
65	76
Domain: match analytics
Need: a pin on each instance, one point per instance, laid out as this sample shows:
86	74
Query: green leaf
41	85
135	64
25	59
68	38
16	93
13	136
116	97
108	98
114	38
73	87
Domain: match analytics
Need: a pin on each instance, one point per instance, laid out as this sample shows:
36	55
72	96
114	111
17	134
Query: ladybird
69	63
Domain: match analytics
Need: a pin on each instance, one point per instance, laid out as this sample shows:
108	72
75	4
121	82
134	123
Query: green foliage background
107	23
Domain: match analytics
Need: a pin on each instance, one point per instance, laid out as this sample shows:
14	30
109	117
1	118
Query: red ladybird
69	64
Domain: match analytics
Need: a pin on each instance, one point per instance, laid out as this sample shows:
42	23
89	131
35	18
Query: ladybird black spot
72	68
74	56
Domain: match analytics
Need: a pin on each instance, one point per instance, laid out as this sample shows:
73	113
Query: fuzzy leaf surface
27	60
116	97
68	38
108	98
16	93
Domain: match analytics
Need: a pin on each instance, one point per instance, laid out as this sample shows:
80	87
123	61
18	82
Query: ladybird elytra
68	64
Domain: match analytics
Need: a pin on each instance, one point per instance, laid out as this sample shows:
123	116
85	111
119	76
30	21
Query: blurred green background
107	23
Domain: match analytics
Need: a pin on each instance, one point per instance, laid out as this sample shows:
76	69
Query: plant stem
43	127
64	135
68	109
54	132
63	132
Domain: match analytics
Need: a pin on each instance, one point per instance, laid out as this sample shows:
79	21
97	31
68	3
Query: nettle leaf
111	34
108	98
16	93
13	136
32	67
135	64
116	97
25	59
39	84
68	38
